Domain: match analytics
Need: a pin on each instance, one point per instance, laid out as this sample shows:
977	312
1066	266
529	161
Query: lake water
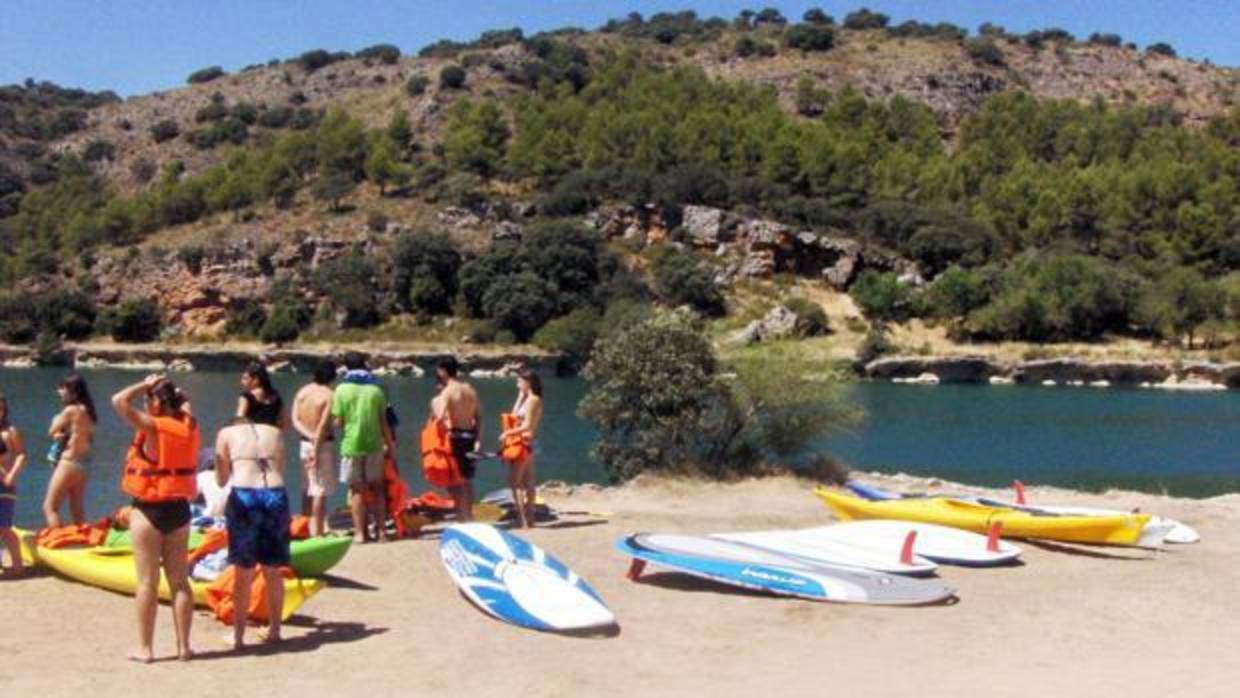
1186	444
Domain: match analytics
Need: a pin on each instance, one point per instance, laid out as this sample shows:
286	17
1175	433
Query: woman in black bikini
260	402
159	473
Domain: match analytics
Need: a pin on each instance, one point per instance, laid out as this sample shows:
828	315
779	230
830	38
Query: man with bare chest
311	411
460	407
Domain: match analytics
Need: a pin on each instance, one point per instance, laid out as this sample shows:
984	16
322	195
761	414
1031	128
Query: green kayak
310	557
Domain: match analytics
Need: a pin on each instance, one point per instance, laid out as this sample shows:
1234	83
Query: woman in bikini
72	432
528	410
252	456
159	474
12	460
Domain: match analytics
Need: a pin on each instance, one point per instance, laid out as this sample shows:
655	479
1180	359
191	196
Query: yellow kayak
26	538
112	569
1118	529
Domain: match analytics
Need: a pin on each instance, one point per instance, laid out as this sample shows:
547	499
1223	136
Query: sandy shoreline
1071	621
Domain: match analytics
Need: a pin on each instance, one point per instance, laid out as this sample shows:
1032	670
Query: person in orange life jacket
12	461
526	415
159	473
72	431
251	457
460	407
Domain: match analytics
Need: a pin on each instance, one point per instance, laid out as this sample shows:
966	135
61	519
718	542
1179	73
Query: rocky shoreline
1202	375
179	358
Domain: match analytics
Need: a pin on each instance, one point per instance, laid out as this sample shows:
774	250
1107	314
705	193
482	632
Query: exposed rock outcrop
1052	372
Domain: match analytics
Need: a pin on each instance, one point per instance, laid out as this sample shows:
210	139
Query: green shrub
571	334
205	75
245	318
98	149
377	221
811	318
275	117
874	345
680	279
984	50
416	85
882	297
135	321
957	292
520	303
386	54
810	37
865	19
1161	49
17	324
815	15
164	130
424	272
288	318
452	77
348	282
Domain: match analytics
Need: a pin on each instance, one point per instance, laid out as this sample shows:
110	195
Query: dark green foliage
1058	297
865	19
132	321
810	37
246	112
205	75
520	303
957	292
943	30
245	318
18	325
304	119
164	130
1098	39
875	345
769	15
815	15
559	63
288	318
659	404
275	117
573	334
319	58
452	77
1161	49
424	272
570	258
348	282
984	50
386	54
230	129
332	188
811	318
936	238
882	297
97	150
416	85
1180	303
143	170
214	110
64	313
476	138
680	279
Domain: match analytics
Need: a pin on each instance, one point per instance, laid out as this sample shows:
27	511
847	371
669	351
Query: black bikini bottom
165	516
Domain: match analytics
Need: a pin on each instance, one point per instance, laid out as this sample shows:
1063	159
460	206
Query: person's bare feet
185	655
142	656
268	637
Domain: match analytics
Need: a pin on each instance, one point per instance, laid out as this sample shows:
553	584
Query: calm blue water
1185	444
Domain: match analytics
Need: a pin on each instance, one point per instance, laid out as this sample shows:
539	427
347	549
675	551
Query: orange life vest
173	476
220	596
75	535
439	466
516	447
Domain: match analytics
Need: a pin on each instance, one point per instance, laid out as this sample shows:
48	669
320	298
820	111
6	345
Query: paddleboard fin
635	569
992	537
906	553
1020	491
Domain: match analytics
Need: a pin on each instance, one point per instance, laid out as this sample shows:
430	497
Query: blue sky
140	46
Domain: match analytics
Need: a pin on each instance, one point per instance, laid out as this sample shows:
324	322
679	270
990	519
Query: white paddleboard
942	544
515	581
880	555
745	566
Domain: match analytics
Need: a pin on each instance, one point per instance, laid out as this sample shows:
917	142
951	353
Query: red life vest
439	466
173	476
516	447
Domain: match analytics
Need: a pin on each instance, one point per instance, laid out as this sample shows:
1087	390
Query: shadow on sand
320	634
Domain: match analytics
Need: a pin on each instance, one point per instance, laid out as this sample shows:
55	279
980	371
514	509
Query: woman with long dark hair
72	432
159	473
259	401
12	460
519	442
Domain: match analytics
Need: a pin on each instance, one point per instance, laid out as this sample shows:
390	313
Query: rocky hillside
206	267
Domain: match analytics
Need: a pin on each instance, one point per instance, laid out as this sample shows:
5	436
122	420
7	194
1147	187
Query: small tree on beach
662	403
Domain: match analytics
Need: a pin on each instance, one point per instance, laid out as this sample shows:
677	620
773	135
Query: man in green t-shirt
359	409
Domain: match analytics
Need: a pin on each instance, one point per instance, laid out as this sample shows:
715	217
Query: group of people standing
351	416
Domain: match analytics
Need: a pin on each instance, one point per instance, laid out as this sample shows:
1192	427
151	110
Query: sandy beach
1071	621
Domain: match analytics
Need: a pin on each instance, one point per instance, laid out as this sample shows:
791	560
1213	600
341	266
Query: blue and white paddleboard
517	582
751	567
